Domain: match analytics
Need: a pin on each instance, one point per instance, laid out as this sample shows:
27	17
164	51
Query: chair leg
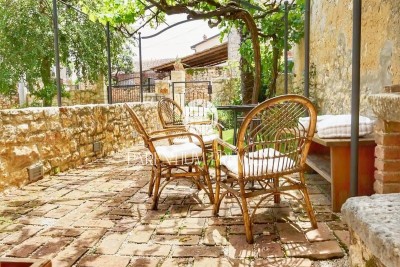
248	227
209	186
277	197
157	188
217	191
151	184
307	201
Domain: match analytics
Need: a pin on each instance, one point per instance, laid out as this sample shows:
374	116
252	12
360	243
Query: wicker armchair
174	162
272	145
171	116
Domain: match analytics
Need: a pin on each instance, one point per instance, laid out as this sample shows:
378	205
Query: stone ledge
385	106
376	220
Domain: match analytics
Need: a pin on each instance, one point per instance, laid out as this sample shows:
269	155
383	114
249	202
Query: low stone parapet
374	224
65	137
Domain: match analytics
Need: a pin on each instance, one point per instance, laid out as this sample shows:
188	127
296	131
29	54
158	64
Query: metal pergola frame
356	59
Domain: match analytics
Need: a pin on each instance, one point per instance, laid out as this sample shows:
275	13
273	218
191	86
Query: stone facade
331	51
387	138
223	79
62	138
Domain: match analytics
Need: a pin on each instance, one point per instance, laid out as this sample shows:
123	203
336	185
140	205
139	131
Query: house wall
331	52
62	138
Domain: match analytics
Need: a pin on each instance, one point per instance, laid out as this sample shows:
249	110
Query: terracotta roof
210	57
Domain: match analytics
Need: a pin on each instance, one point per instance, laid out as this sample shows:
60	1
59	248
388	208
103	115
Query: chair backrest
272	141
137	124
170	113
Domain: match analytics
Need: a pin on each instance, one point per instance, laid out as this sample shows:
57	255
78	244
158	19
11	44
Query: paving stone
184	240
145	262
52	247
239	248
141	234
104	260
4	248
343	236
33	220
27	247
179	211
323	233
67	231
111	243
94	223
317	250
59	212
192	226
198	251
202	213
89	238
215	235
21	235
153	250
290	233
176	262
285	262
265	229
169	227
221	262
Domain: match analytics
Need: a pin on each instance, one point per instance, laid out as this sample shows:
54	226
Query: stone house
331	51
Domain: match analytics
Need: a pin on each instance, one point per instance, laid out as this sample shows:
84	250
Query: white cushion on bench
340	126
178	152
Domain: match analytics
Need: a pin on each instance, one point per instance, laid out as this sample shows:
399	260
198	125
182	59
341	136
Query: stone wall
331	51
8	102
62	138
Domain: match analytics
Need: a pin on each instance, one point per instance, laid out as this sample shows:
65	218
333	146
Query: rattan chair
171	116
172	162
267	153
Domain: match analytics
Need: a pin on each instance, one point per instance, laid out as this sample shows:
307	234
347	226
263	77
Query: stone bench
374	224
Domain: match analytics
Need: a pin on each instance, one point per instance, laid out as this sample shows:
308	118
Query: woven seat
272	145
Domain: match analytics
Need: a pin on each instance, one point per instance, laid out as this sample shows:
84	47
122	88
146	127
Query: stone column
179	88
386	107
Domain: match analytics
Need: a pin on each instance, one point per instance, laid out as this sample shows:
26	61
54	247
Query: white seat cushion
255	167
340	126
177	152
264	153
207	139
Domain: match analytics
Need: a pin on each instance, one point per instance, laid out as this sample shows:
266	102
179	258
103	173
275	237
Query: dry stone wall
331	51
62	138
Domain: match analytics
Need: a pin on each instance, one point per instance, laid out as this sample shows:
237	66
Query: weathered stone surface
385	106
375	220
62	138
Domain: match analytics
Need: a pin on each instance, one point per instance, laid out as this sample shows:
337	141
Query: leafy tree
257	21
27	50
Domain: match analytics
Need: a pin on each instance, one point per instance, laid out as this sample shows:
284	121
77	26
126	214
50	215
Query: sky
174	42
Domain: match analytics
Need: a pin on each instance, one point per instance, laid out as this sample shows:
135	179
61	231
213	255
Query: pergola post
140	67
355	96
307	49
286	47
57	52
109	88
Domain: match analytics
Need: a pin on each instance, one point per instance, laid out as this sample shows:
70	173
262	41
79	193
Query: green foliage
27	49
47	93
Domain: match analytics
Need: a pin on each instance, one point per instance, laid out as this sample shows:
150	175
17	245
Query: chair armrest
169	131
223	143
177	135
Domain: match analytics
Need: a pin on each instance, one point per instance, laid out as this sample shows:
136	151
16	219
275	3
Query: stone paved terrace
99	215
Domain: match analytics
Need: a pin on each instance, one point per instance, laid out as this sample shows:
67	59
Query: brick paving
99	215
